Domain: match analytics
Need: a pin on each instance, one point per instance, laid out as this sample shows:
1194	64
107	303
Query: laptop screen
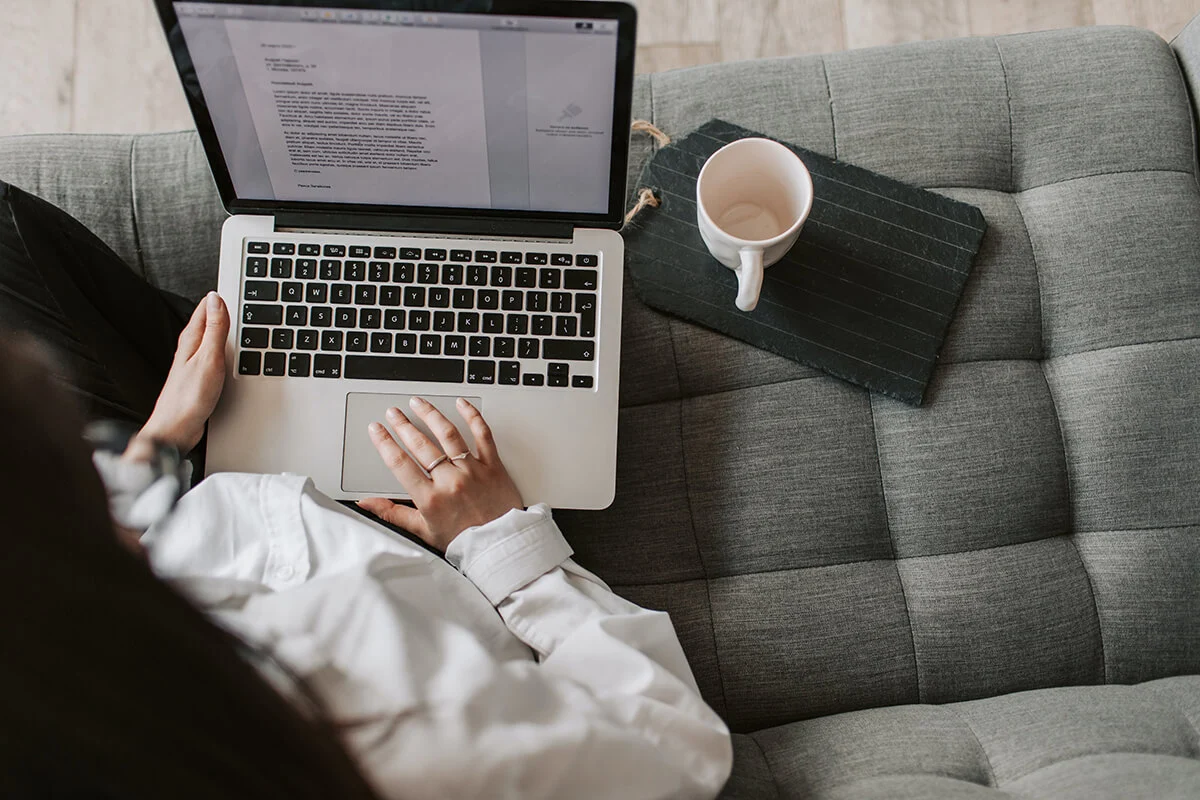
408	108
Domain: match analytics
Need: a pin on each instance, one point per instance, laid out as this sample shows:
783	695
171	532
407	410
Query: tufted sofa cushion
836	562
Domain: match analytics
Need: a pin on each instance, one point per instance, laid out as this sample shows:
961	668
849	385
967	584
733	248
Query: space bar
398	368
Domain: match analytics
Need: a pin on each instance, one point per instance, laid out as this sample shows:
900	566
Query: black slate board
866	294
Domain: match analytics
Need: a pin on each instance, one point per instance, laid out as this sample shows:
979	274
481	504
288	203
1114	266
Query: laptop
424	201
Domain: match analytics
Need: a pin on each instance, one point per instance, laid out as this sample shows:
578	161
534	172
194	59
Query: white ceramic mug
752	197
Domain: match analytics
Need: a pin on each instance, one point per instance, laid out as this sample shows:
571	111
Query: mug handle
750	278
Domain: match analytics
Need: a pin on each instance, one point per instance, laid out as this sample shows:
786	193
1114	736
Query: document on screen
366	114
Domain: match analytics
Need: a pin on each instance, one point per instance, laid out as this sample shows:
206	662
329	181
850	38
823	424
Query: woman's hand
197	376
457	493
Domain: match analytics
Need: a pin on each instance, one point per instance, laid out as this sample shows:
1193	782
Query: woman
506	671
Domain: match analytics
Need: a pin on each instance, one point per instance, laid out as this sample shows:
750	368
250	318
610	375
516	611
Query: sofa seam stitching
987	760
1008	97
687	490
1059	181
767	763
887	521
832	120
133	212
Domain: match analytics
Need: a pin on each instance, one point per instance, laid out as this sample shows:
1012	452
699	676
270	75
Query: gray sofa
997	594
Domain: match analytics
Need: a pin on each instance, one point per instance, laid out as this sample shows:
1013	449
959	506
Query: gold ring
433	464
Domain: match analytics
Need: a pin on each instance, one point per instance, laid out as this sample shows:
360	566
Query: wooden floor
101	66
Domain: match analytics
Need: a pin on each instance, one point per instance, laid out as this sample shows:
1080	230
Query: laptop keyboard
520	317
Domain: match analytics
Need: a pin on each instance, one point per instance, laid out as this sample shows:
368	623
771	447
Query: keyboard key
379	271
550	278
526	277
282	339
385	252
414	296
517	324
332	340
560	303
439	297
558	369
481	346
536	301
370	318
443	321
306	268
481	372
266	291
381	343
543	325
435	254
582	381
406	343
493	323
512	301
310	249
403	272
321	317
569	349
579	279
249	363
452	274
587	260
293	292
356	270
468	321
331	270
256	267
327	366
509	257
477	275
393	319
389	295
308	340
533	379
410	252
455	346
316	292
557	375
510	373
284	249
487	300
334	250
365	295
418	320
296	316
253	314
356	341
359	251
345	317
281	268
527	348
460	255
585	302
427	273
504	347
587	324
341	293
257	247
431	344
535	258
561	259
565	326
275	363
485	256
395	368
501	276
464	298
299	364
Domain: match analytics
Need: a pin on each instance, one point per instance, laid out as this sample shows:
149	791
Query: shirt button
285	573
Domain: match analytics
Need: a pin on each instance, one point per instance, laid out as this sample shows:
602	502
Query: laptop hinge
453	226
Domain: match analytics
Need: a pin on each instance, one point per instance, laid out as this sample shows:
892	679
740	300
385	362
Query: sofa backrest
820	549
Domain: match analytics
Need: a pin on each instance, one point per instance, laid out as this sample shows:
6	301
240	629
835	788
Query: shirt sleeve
615	667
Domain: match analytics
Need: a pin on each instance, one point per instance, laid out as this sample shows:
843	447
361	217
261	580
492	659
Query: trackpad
362	468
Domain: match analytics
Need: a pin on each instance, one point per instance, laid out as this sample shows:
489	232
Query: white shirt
518	674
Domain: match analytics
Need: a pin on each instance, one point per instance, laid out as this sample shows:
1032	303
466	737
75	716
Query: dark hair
111	683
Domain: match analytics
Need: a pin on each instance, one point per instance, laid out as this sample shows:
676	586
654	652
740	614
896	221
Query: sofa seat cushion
1071	742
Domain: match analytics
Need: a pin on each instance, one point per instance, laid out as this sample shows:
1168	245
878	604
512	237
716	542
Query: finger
216	325
396	460
399	515
423	450
482	432
447	435
192	333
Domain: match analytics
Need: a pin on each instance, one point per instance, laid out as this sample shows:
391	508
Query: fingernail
393	414
376	428
418	402
460	402
214	302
